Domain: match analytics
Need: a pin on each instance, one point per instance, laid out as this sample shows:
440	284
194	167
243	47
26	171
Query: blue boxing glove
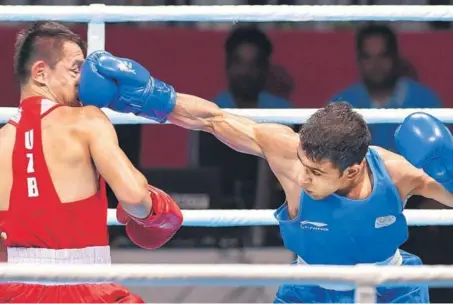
137	92
427	143
95	89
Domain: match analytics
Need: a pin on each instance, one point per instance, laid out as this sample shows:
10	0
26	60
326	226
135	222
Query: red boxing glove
159	227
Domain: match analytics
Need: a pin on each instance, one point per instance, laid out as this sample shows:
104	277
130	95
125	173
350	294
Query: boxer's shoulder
402	173
93	113
386	155
94	117
393	163
93	121
82	117
73	117
80	122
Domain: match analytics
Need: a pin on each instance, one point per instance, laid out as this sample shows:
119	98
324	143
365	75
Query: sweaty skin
79	143
280	146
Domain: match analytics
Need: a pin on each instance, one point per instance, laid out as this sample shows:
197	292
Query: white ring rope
227	13
364	277
229	274
265	217
286	116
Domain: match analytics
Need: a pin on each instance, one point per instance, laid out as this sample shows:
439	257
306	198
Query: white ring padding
229	13
284	116
265	217
230	274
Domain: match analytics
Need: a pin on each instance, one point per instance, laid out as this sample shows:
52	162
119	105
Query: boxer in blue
344	199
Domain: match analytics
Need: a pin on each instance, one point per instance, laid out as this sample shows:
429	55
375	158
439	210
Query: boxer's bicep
413	181
277	140
274	142
237	132
127	183
426	186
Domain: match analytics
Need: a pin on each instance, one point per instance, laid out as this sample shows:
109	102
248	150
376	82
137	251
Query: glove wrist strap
159	101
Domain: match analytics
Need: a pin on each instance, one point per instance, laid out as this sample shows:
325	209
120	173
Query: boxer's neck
361	186
31	91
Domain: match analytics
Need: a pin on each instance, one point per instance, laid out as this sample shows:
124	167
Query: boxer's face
321	178
375	62
62	79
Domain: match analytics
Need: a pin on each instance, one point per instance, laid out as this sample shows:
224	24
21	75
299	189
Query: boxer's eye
75	72
316	173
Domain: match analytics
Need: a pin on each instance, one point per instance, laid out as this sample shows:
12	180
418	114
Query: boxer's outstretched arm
128	184
413	181
239	133
426	186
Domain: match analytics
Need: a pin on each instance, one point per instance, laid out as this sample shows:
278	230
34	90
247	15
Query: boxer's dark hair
42	41
336	133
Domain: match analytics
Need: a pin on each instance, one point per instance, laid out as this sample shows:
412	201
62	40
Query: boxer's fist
427	143
158	228
94	88
138	92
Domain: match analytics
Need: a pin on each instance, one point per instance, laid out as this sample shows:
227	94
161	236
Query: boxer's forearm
142	210
194	113
434	190
142	206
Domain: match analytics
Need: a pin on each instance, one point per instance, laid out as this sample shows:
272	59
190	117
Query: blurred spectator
248	55
407	69
279	82
251	76
384	82
248	68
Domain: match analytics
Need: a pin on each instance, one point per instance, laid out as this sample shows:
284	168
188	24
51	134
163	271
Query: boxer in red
54	158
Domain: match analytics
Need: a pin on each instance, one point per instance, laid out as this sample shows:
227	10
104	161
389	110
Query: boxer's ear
38	72
352	171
